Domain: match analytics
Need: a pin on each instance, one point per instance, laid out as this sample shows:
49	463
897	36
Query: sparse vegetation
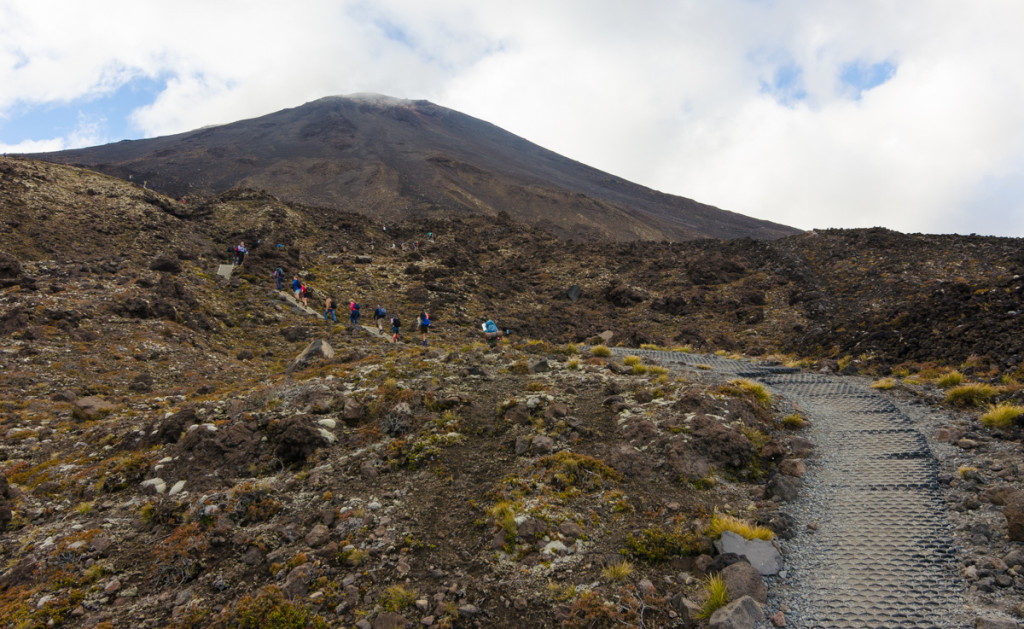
970	394
600	351
721	522
618	571
1002	415
884	384
397	597
794	421
656	544
949	379
716	596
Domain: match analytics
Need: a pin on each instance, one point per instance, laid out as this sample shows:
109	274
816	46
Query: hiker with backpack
378	317
297	287
395	325
423	321
329	309
491	333
353	315
240	252
278	277
304	294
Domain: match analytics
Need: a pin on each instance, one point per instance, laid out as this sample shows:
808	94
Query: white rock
554	548
328	435
328	423
176	489
157	484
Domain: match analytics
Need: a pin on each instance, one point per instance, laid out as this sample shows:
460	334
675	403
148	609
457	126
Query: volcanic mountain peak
392	158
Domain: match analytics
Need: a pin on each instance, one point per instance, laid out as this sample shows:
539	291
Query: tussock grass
572	363
721	523
639	370
600	351
794	421
717	596
964	470
949	379
884	384
617	571
756	390
970	394
632	360
397	598
1002	415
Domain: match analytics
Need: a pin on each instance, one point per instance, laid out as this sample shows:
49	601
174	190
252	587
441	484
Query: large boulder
742	579
92	408
319	348
760	553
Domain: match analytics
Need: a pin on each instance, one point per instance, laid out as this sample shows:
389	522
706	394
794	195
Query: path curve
883	552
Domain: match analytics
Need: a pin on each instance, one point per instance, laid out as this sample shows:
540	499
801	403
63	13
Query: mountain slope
393	159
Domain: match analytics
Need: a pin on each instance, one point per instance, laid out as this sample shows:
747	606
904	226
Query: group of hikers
490	329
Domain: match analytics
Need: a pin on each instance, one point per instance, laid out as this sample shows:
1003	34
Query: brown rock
92	408
1014	512
389	620
801	447
318	536
793	467
743	579
778	619
570	529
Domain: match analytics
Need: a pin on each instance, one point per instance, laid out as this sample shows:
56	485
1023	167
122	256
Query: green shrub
949	379
656	544
601	351
396	598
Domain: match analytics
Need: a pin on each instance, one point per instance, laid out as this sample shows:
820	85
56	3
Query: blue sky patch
859	76
787	84
107	114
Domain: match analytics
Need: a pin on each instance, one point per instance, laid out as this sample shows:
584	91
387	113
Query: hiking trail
882	554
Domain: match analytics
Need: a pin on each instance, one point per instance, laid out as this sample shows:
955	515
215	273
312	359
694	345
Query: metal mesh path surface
882	555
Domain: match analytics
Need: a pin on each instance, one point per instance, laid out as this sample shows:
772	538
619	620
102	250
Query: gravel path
875	541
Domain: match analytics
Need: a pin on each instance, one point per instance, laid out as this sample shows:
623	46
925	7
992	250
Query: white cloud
668	94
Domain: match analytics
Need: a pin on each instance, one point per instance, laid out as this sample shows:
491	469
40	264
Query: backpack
424	319
278	272
355	307
395	323
380	313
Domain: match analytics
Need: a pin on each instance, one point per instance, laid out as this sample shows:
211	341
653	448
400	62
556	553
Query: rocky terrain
392	159
172	456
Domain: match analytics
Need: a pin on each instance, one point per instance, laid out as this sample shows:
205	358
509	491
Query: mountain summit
392	158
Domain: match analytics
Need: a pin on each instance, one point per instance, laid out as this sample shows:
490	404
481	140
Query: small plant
639	370
658	370
970	394
844	362
756	390
560	592
601	351
617	571
396	598
631	360
703	366
656	544
884	384
949	379
268	609
1002	415
717	596
721	523
652	346
572	363
964	470
794	421
756	437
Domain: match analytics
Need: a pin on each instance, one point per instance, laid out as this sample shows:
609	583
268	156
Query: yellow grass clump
721	522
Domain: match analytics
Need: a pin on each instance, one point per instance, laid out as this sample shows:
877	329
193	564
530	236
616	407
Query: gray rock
540	366
318	536
793	467
316	349
786	488
743	613
607	336
574	292
801	447
760	553
364	259
542	444
742	579
352	410
570	529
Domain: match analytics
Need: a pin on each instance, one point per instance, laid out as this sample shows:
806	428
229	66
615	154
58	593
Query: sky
811	113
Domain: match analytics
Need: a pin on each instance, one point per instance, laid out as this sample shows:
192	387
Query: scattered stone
785	488
389	620
570	529
1014	512
743	613
793	467
994	623
318	536
801	447
542	444
778	619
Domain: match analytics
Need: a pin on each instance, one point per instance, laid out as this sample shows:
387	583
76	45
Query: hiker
240	252
303	293
491	333
378	317
279	277
423	320
395	325
353	315
297	287
329	309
